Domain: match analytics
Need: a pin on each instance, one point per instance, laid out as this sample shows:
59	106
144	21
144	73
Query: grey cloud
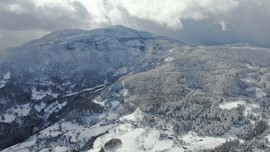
46	17
17	27
249	22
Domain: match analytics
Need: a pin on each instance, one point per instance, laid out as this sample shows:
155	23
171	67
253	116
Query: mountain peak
120	27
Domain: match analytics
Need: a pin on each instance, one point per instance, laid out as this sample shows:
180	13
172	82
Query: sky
201	22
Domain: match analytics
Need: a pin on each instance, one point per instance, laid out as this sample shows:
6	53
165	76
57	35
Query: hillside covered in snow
120	89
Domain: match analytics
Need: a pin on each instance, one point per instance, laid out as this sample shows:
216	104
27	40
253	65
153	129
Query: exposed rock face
73	88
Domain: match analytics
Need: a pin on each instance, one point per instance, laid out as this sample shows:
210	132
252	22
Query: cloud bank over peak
193	21
170	13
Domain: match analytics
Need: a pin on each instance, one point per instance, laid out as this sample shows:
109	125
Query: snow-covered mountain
120	89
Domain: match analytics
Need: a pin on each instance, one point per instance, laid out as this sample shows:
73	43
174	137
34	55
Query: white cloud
17	9
169	13
223	25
